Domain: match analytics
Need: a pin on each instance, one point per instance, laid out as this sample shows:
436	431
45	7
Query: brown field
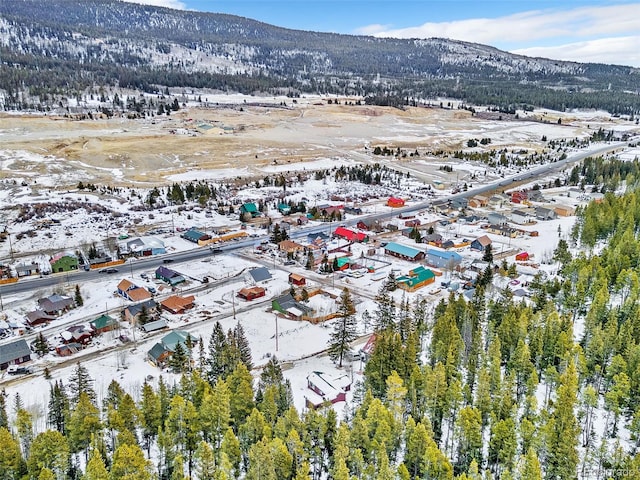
121	151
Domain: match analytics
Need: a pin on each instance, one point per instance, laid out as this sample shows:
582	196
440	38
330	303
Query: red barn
522	257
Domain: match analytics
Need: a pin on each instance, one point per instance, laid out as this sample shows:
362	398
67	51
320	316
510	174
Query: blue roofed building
402	251
443	258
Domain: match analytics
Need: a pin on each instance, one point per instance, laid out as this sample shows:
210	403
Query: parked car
109	270
18	370
167	260
290	262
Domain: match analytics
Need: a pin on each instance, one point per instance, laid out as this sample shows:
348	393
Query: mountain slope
62	44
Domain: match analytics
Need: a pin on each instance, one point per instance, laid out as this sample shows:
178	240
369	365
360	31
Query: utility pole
233	303
276	317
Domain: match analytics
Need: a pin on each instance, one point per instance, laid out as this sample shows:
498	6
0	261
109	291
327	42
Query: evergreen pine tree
4	422
78	297
344	329
242	345
40	345
179	359
58	411
79	382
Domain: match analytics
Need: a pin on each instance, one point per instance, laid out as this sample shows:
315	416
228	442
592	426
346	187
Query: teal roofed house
104	323
250	208
284	209
417	278
161	351
402	251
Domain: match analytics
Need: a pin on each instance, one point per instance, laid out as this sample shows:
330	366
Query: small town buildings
68	349
318	238
353	210
146	246
297	280
38	317
14	353
284	209
432	239
288	306
522	257
250	209
251	293
104	323
132	312
170	276
395	202
289	246
27	270
443	258
503	230
350	235
561	211
161	351
260	274
77	334
63	262
55	304
480	243
195	236
495	218
417	278
402	251
176	304
372	225
544	213
326	390
132	292
155	326
521	217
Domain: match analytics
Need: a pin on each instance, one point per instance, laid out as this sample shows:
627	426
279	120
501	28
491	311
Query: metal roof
14	350
402	250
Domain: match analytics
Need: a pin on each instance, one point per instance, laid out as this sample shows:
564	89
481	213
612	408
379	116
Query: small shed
297	280
522	257
155	326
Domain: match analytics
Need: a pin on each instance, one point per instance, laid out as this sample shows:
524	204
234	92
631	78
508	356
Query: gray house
14	353
520	217
495	218
543	213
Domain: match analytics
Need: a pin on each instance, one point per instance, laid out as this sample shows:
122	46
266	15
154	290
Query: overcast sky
579	30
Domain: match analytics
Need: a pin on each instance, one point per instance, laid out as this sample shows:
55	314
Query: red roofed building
522	257
350	235
176	304
395	202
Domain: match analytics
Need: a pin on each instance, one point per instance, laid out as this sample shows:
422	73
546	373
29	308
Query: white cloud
614	50
175	4
577	27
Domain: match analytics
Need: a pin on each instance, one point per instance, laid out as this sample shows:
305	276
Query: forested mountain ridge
62	45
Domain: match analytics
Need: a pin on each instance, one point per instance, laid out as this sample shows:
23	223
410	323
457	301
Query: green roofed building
250	208
417	278
104	323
